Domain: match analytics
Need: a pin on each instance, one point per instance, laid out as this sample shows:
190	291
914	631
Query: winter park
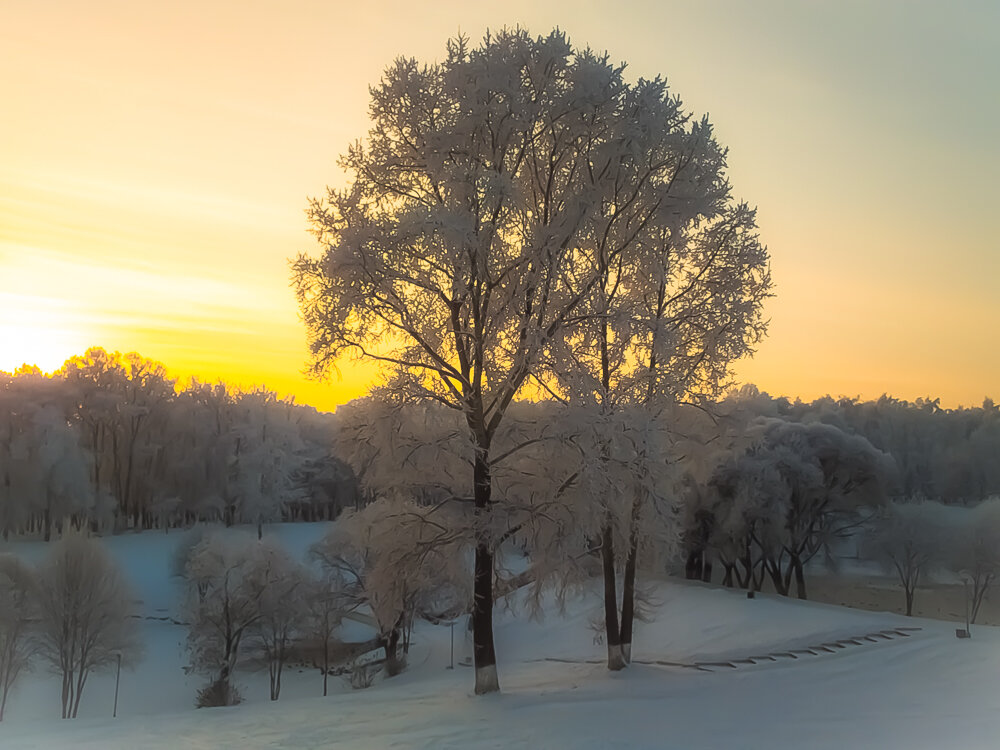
480	377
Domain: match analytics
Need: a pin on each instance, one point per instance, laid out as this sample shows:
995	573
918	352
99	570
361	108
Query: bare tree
278	584
909	539
324	607
222	607
974	549
85	614
18	591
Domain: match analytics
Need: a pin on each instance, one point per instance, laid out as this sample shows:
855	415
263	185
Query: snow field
926	691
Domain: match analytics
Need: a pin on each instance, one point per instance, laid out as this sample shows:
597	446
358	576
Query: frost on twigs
500	199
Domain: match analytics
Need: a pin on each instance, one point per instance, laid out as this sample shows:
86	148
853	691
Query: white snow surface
928	690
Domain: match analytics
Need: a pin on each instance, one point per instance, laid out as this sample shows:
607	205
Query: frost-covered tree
910	538
792	492
279	585
324	607
17	611
398	559
119	404
668	318
494	191
974	551
222	607
85	618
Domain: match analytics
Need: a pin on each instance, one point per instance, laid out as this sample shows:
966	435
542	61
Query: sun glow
38	331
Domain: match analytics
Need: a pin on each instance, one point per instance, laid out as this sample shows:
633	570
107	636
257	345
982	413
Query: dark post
118	675
451	664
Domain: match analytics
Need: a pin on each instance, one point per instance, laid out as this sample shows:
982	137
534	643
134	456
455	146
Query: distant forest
110	442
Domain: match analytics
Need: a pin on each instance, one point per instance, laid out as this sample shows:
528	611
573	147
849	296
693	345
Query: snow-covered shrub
219	692
362	676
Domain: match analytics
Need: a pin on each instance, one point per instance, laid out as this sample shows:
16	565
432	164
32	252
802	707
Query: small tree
909	541
974	552
395	558
85	614
222	607
277	583
324	607
17	608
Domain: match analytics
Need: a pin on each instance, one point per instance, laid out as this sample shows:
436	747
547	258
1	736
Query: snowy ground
928	690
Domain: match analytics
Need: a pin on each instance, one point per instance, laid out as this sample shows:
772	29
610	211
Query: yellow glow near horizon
155	162
37	331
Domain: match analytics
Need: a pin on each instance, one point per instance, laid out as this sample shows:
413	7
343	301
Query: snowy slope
928	690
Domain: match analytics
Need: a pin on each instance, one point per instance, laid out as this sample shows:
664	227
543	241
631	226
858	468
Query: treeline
111	443
952	455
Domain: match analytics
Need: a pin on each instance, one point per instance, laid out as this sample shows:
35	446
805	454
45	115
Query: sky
156	160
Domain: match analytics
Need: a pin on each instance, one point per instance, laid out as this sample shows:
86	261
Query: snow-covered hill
924	690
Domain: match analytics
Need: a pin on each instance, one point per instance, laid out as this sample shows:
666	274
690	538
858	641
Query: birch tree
492	193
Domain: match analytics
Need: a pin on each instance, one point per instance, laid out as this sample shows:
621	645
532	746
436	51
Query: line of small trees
782	493
251	603
915	537
72	614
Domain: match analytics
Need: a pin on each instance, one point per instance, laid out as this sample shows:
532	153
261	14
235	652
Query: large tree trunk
612	632
800	578
628	597
484	652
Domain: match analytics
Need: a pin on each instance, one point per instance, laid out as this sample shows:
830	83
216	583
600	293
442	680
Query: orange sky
155	161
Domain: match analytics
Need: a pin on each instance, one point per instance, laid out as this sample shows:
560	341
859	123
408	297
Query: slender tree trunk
484	651
706	569
3	698
692	567
326	660
79	693
67	694
274	672
800	578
